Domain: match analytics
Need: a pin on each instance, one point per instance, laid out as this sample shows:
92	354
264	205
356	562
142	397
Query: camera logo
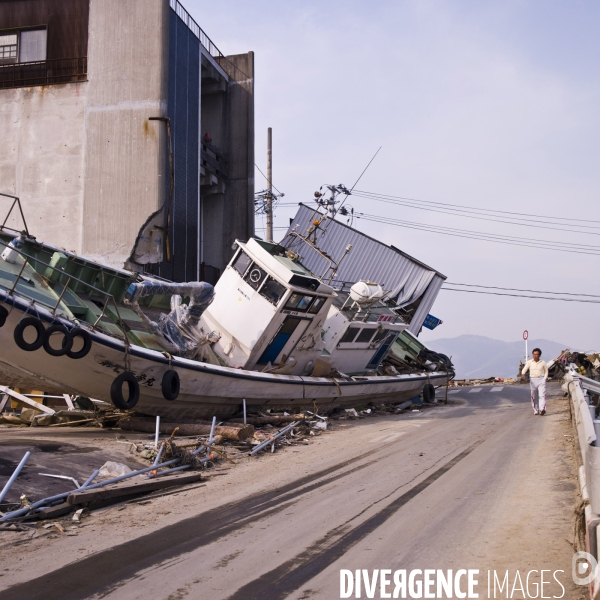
584	568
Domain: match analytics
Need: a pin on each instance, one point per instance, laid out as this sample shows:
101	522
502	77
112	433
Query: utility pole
269	208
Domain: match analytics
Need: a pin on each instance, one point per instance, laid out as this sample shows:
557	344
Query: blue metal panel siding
183	108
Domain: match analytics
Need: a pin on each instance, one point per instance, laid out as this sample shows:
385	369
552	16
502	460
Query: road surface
479	484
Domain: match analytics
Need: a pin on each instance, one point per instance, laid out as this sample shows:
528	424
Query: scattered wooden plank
20	398
52	512
129	487
234	432
3	402
69	401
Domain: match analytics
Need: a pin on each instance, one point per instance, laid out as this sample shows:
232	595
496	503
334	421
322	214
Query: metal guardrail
46	72
195	28
589	473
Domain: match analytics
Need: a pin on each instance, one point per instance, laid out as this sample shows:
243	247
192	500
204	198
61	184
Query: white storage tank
366	292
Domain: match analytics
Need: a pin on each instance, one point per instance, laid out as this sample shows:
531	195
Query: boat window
380	335
349	335
304	303
272	290
298	302
255	276
316	305
242	262
365	335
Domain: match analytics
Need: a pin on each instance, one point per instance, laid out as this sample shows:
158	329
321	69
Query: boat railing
108	297
16	202
332	265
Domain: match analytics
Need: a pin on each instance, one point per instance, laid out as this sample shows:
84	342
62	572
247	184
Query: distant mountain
476	356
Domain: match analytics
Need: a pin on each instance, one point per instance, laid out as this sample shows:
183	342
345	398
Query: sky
486	104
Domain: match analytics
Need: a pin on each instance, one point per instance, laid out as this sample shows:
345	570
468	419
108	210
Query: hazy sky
487	104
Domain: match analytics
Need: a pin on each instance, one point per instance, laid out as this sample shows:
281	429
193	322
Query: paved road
479	484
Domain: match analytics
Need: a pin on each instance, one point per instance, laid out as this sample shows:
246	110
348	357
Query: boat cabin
358	336
267	309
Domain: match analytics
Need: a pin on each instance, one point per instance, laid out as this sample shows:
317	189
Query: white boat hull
206	389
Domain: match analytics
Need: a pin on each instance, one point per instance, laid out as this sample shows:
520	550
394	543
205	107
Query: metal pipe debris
14	475
52	499
157	431
160	451
62	477
90	479
212	430
244	401
271	440
171	470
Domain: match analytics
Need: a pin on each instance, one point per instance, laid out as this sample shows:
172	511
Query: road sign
431	322
525	334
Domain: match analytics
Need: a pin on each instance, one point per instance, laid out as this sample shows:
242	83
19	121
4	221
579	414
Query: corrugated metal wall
183	108
406	277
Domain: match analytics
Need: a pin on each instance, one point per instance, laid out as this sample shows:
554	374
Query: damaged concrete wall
125	152
42	160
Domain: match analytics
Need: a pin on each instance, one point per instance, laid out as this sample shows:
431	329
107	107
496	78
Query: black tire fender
87	343
170	385
3	316
67	342
22	325
428	393
116	391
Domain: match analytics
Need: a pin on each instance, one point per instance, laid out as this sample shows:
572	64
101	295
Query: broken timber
234	432
20	398
118	490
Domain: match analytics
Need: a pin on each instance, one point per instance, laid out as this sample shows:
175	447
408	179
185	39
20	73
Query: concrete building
126	133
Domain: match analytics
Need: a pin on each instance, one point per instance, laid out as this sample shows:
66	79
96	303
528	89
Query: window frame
18	31
350	341
317	299
372	330
264	285
8	60
302	296
250	263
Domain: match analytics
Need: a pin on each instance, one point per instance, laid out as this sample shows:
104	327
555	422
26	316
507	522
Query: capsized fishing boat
270	332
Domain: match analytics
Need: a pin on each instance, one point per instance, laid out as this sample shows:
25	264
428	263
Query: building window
8	46
24	61
32	45
27	45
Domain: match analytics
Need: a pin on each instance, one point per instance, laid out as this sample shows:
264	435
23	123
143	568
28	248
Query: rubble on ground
180	458
488	380
586	363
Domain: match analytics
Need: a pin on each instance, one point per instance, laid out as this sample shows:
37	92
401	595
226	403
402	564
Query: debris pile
26	410
468	382
159	475
191	447
586	363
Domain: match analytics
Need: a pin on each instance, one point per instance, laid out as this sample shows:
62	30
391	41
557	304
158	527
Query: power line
489	237
474	208
267	178
457	212
520	296
492	287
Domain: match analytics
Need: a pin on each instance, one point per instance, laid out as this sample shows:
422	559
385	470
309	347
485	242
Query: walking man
538	373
